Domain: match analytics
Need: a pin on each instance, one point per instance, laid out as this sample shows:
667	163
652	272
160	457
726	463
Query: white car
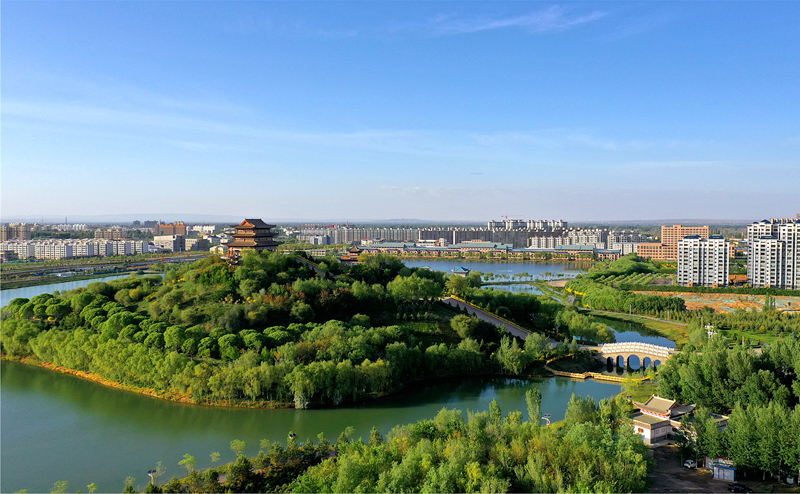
690	464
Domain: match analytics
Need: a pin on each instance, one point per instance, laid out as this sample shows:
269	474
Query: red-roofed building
252	234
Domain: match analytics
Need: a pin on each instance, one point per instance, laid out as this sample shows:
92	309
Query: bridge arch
646	354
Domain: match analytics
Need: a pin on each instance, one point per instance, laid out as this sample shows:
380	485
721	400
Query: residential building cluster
535	234
667	249
423	249
69	248
773	253
15	230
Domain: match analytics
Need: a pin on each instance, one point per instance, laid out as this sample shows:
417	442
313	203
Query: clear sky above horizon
373	110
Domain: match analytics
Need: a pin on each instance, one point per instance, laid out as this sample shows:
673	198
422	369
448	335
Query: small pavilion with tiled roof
252	234
658	418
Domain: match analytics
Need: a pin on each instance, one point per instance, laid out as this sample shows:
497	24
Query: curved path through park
481	314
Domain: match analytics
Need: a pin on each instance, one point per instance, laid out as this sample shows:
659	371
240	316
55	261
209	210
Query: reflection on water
7	296
82	432
516	288
635	332
568	269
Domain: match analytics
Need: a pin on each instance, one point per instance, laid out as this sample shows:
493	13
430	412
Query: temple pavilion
252	234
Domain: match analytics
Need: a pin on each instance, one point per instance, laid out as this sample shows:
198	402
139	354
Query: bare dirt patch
729	302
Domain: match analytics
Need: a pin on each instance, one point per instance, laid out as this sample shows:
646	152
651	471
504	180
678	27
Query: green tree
60	486
457	285
188	462
464	325
511	356
238	447
302	312
533	398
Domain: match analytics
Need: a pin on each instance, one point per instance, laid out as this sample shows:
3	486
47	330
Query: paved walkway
481	314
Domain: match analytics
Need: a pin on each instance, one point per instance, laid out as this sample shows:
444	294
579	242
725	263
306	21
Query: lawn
673	331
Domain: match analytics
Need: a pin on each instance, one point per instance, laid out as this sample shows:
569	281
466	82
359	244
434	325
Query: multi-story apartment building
764	262
703	261
177	228
773	253
173	243
110	234
22	249
789	233
20	231
667	249
624	248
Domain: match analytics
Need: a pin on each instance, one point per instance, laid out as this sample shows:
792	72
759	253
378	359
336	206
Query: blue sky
374	110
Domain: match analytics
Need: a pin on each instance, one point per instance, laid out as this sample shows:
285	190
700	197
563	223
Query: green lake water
59	427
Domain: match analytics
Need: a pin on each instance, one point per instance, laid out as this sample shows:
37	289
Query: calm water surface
7	296
59	427
631	331
569	269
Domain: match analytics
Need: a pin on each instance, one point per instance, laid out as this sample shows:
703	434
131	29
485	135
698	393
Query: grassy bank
670	330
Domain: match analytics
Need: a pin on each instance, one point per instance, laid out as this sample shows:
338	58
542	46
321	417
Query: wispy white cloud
634	25
679	164
559	139
552	19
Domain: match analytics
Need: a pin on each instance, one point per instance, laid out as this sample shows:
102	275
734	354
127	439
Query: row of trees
718	378
763	438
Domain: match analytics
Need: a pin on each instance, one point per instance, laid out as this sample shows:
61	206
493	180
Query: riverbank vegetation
593	450
271	332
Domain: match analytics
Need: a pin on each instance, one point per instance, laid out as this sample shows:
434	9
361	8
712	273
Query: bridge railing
636	348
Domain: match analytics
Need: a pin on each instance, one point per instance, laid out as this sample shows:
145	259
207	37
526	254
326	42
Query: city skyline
463	112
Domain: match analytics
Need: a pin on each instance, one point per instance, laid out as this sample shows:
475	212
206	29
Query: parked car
690	464
739	488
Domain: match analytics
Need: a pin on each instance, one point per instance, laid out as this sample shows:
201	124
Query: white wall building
773	253
703	262
173	243
765	262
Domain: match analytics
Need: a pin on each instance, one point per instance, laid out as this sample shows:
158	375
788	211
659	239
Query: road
481	314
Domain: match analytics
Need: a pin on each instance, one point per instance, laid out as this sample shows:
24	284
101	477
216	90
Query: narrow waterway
7	296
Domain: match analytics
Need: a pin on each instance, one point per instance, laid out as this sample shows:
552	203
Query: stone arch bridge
612	353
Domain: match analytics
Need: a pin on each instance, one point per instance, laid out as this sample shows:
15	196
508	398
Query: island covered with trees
273	332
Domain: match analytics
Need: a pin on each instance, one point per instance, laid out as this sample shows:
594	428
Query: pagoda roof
250	223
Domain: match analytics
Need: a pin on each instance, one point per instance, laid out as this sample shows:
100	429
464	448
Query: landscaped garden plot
729	302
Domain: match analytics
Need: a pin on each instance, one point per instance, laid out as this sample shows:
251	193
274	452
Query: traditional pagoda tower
252	234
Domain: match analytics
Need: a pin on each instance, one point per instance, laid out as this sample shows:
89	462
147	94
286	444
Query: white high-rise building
703	261
789	234
765	262
773	254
